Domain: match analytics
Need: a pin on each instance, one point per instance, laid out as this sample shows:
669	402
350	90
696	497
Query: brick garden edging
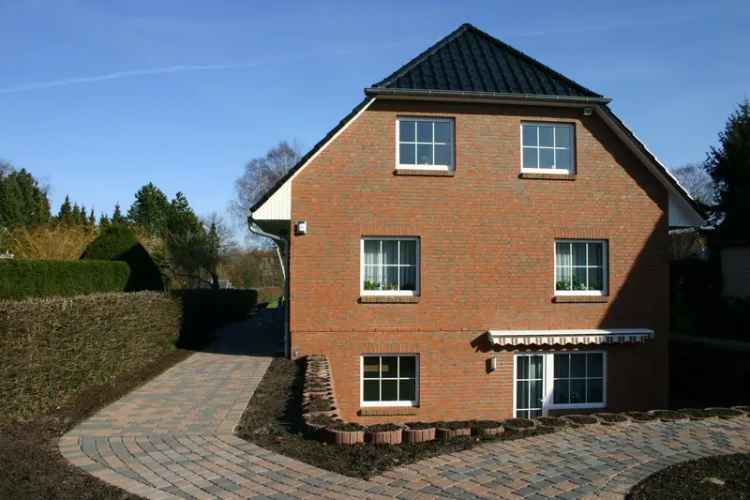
320	413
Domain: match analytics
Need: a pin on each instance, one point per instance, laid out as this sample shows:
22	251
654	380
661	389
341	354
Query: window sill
387	411
424	172
580	299
550	177
389	299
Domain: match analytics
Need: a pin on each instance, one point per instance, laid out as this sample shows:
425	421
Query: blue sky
99	97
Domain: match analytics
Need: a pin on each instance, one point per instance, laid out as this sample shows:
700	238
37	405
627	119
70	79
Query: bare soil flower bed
581	420
612	418
669	415
721	477
273	420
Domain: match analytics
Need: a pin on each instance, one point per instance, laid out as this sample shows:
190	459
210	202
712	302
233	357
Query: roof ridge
528	58
422	56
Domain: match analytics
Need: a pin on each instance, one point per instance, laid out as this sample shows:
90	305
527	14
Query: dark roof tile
470	60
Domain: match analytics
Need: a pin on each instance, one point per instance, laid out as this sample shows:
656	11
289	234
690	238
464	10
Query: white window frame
548	368
605	268
445	168
407	293
557	171
362	401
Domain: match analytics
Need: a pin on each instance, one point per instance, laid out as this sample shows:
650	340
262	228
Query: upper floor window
548	148
580	267
425	143
390	266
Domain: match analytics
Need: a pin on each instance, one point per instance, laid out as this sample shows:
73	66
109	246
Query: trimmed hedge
51	349
206	310
20	279
120	243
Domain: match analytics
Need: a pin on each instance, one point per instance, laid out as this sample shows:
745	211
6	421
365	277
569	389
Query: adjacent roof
470	60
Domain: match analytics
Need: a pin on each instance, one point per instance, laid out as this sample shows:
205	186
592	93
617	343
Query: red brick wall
486	255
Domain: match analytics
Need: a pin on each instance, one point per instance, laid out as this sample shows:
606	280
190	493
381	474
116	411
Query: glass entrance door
529	385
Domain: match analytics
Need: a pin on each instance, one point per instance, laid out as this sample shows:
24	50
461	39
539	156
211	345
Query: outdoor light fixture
587	111
300	227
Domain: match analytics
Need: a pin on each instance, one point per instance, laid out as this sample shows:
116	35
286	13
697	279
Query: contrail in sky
122	74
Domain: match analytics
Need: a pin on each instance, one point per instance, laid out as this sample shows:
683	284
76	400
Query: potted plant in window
347	433
450	430
419	432
384	434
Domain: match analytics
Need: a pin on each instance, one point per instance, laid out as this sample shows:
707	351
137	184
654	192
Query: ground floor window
559	380
389	380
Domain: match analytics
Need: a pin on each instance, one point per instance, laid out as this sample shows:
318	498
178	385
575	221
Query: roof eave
475	95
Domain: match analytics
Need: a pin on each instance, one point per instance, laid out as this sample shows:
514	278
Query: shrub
419	425
55	278
118	242
206	310
51	349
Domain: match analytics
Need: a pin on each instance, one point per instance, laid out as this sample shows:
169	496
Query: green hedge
20	279
205	310
119	243
51	349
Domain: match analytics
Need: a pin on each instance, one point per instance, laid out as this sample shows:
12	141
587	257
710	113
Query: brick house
481	237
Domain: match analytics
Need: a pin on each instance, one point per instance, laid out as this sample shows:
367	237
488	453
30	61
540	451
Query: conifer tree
92	218
104	221
729	166
22	200
117	217
150	209
65	214
75	214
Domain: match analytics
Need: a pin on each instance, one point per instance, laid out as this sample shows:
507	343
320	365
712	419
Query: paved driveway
172	438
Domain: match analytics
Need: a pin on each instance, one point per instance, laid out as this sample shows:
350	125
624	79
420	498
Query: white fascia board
279	205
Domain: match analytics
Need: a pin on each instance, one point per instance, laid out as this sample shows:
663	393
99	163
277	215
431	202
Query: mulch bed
273	420
31	465
720	477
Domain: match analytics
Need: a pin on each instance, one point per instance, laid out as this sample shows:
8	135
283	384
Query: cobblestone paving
173	438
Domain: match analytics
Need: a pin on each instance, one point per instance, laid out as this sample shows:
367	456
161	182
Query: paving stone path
172	438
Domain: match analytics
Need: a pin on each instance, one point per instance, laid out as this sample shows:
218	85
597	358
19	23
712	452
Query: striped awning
569	337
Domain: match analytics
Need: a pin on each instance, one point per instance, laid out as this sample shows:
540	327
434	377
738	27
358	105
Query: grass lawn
31	466
273	420
720	477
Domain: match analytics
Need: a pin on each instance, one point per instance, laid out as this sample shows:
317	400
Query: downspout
282	247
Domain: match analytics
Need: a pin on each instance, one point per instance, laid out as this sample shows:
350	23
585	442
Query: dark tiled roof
471	61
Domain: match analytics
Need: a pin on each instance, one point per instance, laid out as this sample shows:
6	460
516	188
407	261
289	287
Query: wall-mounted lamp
491	364
300	227
588	111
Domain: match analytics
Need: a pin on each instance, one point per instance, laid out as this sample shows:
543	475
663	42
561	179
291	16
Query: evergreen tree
729	166
22	200
92	218
181	217
83	220
65	214
150	209
117	217
104	221
76	214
